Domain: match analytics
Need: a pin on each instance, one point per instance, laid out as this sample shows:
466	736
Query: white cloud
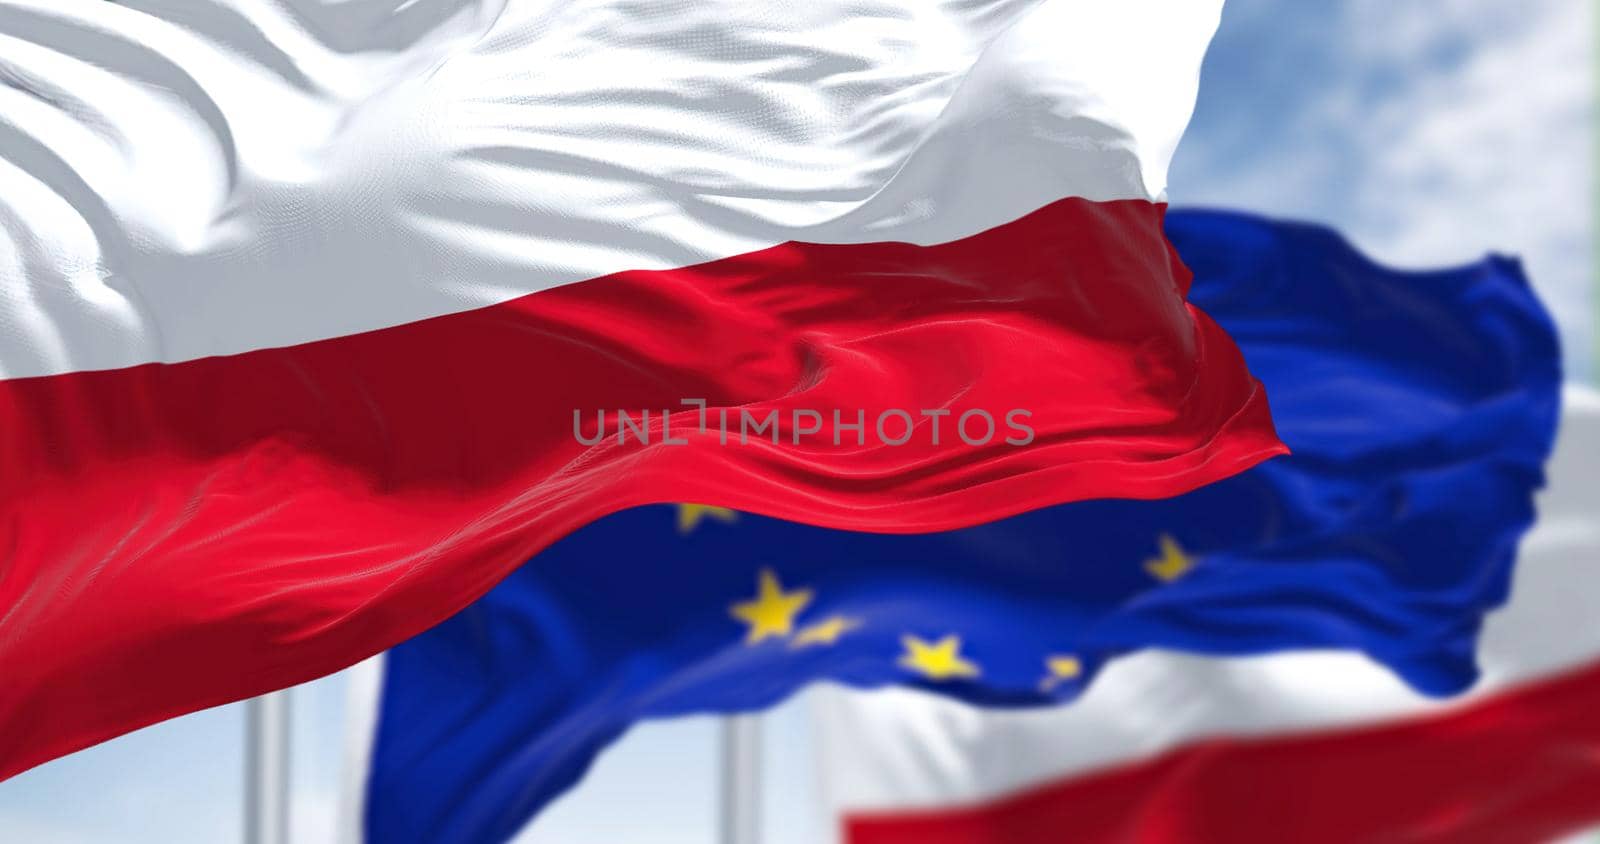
314	816
1492	152
1430	133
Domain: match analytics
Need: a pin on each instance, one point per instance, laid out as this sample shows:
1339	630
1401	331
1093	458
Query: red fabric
178	536
1519	768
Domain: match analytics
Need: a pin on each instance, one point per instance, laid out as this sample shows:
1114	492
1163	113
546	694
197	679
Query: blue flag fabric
1419	407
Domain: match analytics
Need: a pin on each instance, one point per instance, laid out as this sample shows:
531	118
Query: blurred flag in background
1306	747
1420	407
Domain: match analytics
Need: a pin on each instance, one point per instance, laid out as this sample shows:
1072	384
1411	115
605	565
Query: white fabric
183	178
903	749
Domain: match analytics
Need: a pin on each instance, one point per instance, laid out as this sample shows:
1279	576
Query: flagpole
266	775
741	780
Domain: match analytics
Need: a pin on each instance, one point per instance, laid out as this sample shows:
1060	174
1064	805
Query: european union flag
1420	408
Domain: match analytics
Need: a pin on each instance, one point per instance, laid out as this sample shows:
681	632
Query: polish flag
320	318
1304	747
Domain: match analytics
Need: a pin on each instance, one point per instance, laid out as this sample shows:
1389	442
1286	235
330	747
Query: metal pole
741	780
266	773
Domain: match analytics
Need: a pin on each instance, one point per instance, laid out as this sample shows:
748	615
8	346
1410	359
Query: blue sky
1431	133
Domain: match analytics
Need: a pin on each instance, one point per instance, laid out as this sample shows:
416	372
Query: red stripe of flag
1520	767
179	536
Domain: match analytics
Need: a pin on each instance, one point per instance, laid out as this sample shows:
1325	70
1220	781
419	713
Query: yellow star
1060	669
825	632
773	611
940	660
690	515
1173	562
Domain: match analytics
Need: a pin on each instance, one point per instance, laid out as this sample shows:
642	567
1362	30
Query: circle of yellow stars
774	614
